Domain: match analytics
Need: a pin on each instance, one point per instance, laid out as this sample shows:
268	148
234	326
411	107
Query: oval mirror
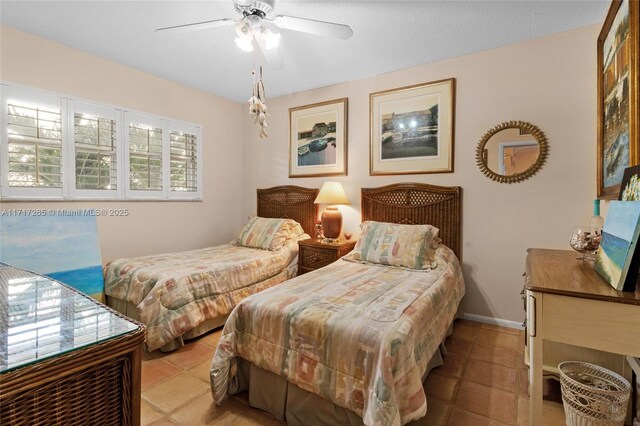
512	151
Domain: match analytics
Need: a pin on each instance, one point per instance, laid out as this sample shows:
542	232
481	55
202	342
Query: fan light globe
251	28
243	28
244	43
271	39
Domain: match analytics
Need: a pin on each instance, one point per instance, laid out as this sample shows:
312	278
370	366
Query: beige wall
549	82
151	227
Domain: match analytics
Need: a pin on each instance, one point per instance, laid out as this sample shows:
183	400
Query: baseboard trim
494	321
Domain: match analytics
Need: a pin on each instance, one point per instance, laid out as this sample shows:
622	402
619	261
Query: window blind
184	159
95	143
34	146
145	157
55	147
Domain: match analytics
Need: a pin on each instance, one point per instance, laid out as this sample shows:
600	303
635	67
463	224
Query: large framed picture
618	110
412	129
318	139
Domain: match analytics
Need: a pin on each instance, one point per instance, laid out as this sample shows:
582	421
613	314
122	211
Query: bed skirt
286	401
298	407
131	310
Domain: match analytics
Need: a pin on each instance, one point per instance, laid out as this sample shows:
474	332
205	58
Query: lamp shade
332	193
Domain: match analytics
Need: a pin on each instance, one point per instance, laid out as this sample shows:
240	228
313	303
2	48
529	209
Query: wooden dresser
568	302
64	358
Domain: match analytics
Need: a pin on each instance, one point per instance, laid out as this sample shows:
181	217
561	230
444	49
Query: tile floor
483	382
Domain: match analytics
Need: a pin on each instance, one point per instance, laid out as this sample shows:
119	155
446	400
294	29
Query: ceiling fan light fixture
245	43
244	28
252	27
271	39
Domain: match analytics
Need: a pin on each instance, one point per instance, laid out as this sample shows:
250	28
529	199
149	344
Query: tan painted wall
152	226
550	82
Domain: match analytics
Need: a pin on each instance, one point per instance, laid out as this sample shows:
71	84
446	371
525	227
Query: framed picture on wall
318	139
618	110
412	129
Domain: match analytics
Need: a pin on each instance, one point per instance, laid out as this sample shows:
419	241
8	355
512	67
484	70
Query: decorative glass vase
583	241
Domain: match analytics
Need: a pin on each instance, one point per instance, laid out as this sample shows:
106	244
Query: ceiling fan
252	26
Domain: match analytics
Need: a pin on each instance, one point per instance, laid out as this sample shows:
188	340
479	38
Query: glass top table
41	318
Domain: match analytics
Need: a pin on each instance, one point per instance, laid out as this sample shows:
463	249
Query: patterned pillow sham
409	246
268	234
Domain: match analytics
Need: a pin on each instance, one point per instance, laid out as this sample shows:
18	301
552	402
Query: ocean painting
619	240
63	247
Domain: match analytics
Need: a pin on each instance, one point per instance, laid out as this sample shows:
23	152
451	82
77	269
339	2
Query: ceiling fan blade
272	56
199	25
312	26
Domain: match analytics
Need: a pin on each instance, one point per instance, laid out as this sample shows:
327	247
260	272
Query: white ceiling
388	35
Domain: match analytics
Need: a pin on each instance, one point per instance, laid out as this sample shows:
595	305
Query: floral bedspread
359	335
176	292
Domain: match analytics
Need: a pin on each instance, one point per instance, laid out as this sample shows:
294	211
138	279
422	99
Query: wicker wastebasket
593	395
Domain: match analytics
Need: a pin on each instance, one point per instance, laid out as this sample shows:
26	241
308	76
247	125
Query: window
145	158
35	146
32	144
108	153
184	160
96	138
184	164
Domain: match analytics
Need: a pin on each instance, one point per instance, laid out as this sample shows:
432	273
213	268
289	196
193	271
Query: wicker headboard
418	203
290	202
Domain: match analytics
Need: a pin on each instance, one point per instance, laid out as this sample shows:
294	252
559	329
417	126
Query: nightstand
314	253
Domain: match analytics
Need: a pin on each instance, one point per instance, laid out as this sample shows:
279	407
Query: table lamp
331	193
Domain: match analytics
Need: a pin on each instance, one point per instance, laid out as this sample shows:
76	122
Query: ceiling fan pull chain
262	108
253	100
261	94
255	85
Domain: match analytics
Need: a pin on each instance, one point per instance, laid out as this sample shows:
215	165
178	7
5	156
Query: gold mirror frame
543	150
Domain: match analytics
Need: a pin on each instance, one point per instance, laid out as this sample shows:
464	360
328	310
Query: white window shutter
54	147
32	144
96	137
144	168
185	143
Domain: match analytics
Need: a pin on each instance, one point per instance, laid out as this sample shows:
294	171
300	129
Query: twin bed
347	344
350	343
180	296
